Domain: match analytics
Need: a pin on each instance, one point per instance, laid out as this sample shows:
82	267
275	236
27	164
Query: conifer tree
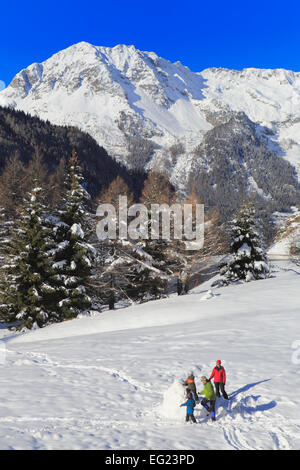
13	185
135	269
37	169
192	258
155	271
73	255
111	274
56	185
11	198
27	292
248	259
184	259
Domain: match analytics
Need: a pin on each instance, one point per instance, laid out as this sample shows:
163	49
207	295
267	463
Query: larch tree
155	272
111	271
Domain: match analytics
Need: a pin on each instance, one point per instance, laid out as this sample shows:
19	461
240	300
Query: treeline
24	135
53	266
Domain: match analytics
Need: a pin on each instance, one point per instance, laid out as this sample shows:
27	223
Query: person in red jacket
219	375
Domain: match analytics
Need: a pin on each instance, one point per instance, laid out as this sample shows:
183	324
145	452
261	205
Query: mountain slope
100	82
287	241
150	113
22	133
232	164
107	381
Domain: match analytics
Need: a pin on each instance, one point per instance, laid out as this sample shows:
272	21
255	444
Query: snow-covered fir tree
248	258
119	275
11	198
145	274
73	254
125	270
27	292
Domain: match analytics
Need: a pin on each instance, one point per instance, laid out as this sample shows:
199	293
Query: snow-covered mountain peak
136	103
93	87
98	70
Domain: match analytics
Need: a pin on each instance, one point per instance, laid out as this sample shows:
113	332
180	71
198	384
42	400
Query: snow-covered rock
208	295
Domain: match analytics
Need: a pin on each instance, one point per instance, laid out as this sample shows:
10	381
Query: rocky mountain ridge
230	133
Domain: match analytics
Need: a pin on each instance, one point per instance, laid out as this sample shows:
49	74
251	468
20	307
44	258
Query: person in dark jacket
190	385
219	376
190	405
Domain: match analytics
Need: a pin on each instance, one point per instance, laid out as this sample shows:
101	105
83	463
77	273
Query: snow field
112	380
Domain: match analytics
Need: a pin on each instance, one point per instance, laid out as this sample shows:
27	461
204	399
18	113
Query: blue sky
231	34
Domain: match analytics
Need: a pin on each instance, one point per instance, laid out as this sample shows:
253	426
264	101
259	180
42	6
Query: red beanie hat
218	361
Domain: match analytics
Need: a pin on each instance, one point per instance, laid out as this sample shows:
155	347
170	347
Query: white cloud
2	85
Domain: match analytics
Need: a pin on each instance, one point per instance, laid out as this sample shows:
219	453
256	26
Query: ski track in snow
235	434
238	426
43	359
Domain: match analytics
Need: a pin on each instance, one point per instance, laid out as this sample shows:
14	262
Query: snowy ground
111	381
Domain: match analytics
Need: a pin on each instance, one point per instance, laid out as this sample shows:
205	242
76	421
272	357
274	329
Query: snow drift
173	397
